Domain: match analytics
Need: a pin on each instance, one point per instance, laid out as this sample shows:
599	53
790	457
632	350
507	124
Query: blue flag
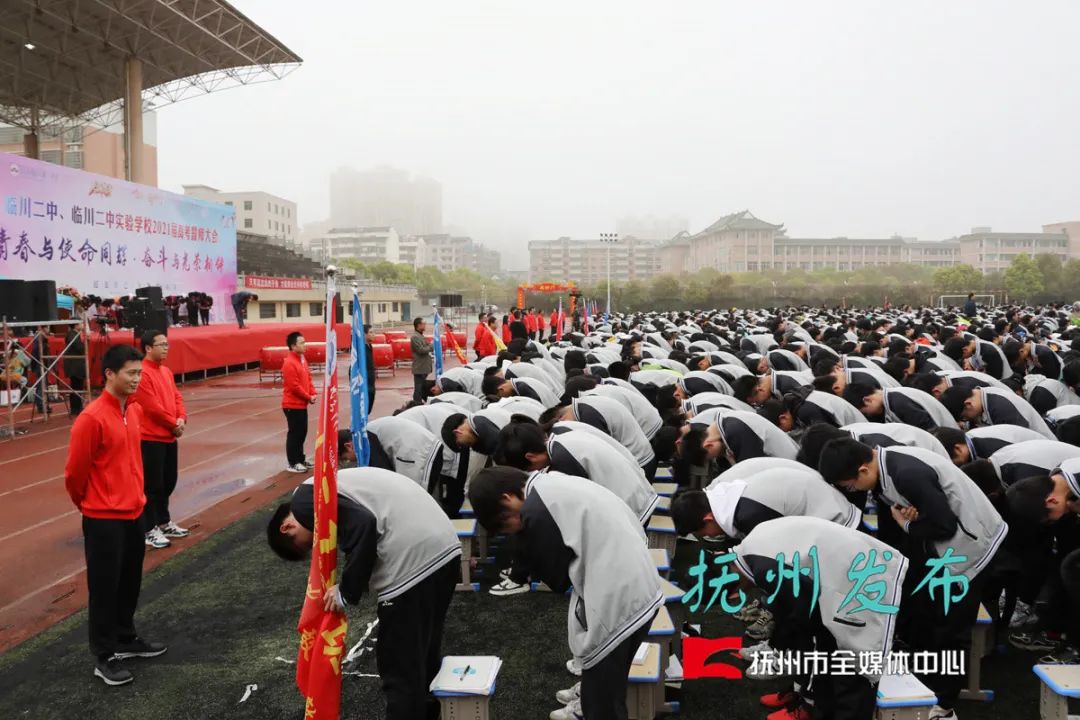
436	344
358	386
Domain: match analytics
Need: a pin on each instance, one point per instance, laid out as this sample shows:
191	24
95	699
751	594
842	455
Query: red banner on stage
263	282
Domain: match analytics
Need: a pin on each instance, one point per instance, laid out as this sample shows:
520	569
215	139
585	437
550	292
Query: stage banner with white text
107	237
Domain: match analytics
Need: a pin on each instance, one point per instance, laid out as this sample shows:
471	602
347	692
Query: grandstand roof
66	59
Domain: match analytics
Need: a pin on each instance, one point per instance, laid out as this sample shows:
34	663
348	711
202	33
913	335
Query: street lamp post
608	239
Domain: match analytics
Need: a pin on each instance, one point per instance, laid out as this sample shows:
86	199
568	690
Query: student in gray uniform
611	417
400	546
734	507
459	379
581	536
991	406
407	448
904	404
982	442
737	436
941	511
465	401
826	623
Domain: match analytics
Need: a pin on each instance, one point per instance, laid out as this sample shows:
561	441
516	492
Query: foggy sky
858	118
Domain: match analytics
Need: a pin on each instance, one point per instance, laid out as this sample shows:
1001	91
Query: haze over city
838	118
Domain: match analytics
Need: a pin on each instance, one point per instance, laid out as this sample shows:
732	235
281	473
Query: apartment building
450	252
586	261
256	212
366	244
990	251
85	147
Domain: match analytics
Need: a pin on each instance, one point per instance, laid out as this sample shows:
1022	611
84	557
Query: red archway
547	287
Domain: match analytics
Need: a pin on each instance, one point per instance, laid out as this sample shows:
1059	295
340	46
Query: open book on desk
466	675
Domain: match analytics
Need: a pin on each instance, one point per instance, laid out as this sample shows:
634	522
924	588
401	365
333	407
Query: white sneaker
172	530
157	540
570	712
573	666
1022	616
309	464
570	694
939	713
508	587
297	468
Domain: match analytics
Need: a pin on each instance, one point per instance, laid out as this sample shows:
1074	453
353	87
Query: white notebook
903	687
467	675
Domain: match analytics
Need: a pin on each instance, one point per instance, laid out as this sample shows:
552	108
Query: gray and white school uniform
599	435
668	364
782	359
747	468
602	554
740	505
892	434
1045	393
1062	413
657	378
462	379
432	418
410	449
837	549
528	370
984	441
578	453
537	390
1002	407
1070	470
519	405
953	512
915	407
708	400
748	435
1030	458
645	413
828	408
612	418
700	381
412	534
866	365
487	424
464	401
972	378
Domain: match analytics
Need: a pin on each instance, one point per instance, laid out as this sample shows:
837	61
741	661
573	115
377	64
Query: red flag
322	634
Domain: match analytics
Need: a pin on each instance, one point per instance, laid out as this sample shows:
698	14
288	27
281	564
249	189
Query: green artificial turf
227	608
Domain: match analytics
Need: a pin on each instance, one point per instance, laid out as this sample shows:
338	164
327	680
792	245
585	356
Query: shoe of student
570	712
939	713
794	712
573	666
504	574
155	539
749	612
748	653
508	587
308	464
570	694
112	671
1064	656
776	701
1023	615
139	648
1040	641
762	628
297	468
172	530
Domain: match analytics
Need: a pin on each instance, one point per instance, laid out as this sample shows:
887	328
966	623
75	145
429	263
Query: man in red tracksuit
554	325
104	478
297	394
479	334
164	421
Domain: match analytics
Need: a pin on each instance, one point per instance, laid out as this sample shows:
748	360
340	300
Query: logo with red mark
697	652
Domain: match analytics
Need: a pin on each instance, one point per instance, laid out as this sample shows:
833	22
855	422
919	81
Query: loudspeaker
15	300
153	294
449	301
42	300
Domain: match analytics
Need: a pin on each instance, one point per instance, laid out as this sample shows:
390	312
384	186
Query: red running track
231	462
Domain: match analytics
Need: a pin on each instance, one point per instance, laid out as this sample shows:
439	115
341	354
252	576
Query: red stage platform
195	349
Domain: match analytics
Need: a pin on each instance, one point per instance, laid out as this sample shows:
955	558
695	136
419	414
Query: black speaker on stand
15	300
42	300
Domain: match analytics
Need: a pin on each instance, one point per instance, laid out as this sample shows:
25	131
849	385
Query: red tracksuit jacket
104	471
160	401
299	388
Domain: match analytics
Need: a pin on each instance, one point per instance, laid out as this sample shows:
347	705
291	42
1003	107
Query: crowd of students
785	430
